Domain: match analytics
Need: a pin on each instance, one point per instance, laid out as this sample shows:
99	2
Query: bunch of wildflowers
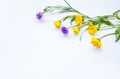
92	24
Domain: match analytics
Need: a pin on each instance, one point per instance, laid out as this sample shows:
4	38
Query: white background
32	49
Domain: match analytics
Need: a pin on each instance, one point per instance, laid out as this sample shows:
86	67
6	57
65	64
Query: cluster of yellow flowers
78	21
96	42
92	29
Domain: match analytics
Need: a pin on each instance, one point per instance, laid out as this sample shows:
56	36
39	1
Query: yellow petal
92	29
99	45
78	19
57	23
76	30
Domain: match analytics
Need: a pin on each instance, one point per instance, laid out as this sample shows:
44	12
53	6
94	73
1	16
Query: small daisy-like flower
64	30
78	19
96	42
76	30
57	23
92	29
39	15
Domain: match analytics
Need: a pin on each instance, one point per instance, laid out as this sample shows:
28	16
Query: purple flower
64	30
39	15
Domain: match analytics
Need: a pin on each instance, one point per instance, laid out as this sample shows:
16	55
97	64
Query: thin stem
43	13
106	35
108	28
112	27
108	17
116	12
82	34
68	4
76	10
70	27
71	6
84	24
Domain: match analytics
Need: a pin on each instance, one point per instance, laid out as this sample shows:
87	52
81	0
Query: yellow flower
92	29
96	42
76	30
57	23
78	19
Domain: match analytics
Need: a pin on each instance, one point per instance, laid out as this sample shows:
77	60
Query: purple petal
39	15
64	30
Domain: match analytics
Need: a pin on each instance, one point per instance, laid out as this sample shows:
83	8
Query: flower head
96	42
64	30
57	23
78	19
39	15
92	29
76	30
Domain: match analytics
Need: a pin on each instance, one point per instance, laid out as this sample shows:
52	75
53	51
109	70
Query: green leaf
72	19
67	8
99	25
117	38
117	32
103	20
83	18
66	17
94	22
117	16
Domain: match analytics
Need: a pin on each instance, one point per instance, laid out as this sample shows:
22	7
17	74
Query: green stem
68	4
107	16
82	34
116	12
106	35
76	10
84	24
70	27
108	28
71	6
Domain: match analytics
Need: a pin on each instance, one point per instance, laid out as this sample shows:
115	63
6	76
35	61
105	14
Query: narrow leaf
117	38
65	18
117	31
98	28
117	16
72	19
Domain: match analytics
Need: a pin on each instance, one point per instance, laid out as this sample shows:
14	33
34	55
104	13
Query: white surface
31	49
